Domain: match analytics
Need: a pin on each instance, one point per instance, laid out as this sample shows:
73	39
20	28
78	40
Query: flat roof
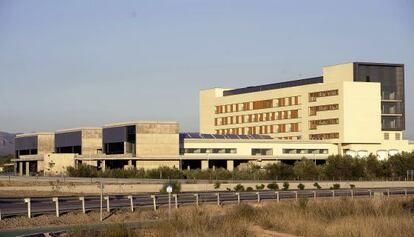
77	129
33	134
273	86
138	122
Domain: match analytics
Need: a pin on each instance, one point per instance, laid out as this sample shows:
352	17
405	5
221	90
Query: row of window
313	124
290	138
208	150
253	118
323	136
387	136
305	151
314	95
264	129
313	110
260	104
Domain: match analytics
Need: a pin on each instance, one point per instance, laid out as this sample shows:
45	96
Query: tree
301	186
373	167
279	171
306	169
400	163
338	167
285	186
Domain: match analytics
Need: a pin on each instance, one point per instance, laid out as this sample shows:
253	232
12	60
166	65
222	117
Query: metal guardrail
37	206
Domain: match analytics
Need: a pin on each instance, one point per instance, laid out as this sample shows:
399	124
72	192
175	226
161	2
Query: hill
6	143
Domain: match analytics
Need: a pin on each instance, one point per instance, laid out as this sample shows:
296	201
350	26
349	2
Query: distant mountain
6	143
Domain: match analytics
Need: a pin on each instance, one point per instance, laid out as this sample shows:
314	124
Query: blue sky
87	63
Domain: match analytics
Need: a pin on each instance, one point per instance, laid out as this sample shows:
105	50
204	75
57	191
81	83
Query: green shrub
217	185
301	186
335	186
238	188
285	186
317	186
260	187
176	186
273	186
249	189
352	186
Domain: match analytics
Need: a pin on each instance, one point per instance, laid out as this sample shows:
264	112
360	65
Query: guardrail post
82	199
131	198
333	193
388	192
108	209
238	198
196	197
154	201
218	199
29	207
56	200
296	195
352	194
406	193
258	197
0	212
314	194
370	193
175	200
277	196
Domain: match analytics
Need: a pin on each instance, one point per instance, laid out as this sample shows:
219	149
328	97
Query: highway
41	205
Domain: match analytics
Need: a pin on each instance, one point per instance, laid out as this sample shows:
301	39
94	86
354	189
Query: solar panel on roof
218	136
207	136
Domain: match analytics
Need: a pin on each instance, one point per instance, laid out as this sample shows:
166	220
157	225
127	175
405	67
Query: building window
314	95
313	110
314	123
386	136
262	152
397	136
323	136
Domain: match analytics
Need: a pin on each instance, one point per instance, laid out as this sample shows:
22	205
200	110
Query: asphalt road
41	205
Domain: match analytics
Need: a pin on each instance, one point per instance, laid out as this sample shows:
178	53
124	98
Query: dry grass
337	217
379	216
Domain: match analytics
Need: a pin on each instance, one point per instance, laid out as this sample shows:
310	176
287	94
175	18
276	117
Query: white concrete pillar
56	200
196	197
175	200
108	208
230	165
258	197
131	198
238	198
29	207
154	201
27	168
204	164
82	199
21	168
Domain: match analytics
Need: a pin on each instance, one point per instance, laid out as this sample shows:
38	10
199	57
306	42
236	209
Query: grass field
378	216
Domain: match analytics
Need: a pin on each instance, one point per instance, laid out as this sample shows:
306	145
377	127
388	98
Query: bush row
336	167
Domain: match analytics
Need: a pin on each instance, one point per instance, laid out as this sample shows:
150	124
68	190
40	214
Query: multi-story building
355	109
30	149
354	103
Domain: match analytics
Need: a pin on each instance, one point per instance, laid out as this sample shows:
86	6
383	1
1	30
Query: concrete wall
361	112
45	143
91	141
57	164
338	73
157	139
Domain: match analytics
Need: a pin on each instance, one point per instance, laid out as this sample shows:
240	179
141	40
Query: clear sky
87	63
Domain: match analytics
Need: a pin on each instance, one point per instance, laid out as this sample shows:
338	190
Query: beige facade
352	109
